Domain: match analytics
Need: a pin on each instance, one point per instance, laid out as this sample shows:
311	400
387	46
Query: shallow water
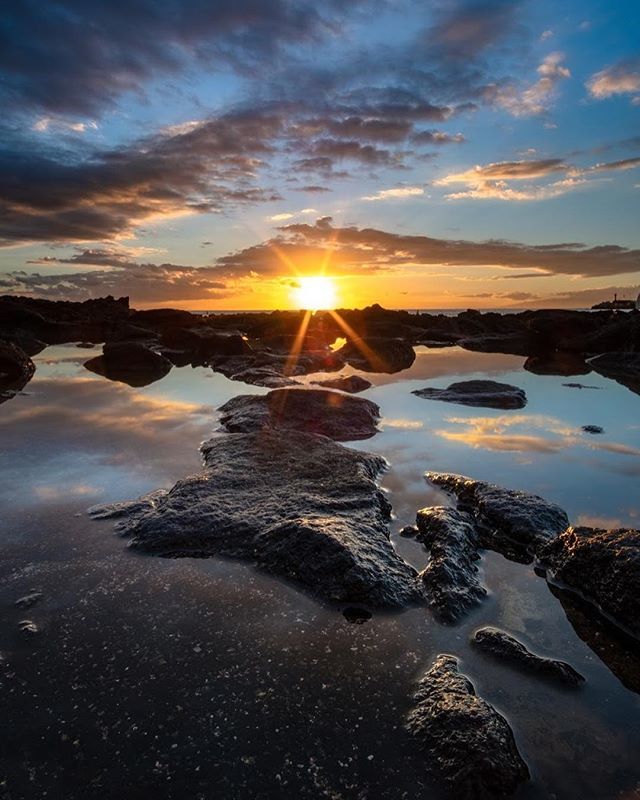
206	678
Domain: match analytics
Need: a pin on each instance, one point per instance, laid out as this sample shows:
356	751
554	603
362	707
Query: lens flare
315	293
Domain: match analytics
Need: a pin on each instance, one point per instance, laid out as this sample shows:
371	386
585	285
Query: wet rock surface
451	579
468	743
318	411
129	362
486	394
377	354
295	504
501	645
514	523
345	383
603	566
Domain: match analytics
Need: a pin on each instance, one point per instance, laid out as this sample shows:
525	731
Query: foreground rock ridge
296	504
469	744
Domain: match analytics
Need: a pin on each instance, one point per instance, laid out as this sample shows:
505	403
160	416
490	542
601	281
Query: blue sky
434	154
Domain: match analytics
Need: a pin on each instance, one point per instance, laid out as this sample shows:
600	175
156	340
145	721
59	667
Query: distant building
622	305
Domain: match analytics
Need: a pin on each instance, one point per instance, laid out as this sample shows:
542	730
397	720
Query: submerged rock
346	383
603	566
320	411
594	429
624	368
129	362
516	524
499	643
487	394
378	354
469	744
451	580
296	504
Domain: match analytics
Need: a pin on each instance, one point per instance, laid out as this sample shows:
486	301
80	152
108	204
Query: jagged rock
16	369
594	429
333	414
604	566
487	394
129	362
451	580
377	354
295	504
516	524
501	644
624	368
346	383
470	746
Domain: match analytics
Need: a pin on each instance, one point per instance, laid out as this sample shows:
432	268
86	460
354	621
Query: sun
315	293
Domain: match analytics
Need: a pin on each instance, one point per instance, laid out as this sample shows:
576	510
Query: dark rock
515	344
16	369
469	745
205	341
295	504
346	383
452	584
613	646
129	362
333	414
595	429
28	600
579	386
264	376
624	368
499	643
356	616
557	363
487	394
377	354
516	524
408	532
85	345
604	566
28	627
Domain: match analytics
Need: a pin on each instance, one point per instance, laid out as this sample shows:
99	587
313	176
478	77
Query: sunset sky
208	155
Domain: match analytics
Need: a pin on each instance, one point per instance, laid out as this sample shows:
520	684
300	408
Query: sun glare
315	293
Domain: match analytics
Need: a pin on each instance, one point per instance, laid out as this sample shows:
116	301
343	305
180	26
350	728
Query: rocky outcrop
486	394
377	354
345	383
295	504
16	369
516	524
333	414
451	580
624	368
469	745
516	344
129	362
505	647
557	363
205	342
603	566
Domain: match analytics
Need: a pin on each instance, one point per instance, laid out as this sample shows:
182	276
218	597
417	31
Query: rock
469	745
511	343
487	394
595	429
624	368
28	600
205	341
85	345
356	616
264	376
129	362
295	504
346	383
499	643
557	363
579	386
333	414
408	532
603	566
28	627
451	577
516	524
377	354
16	370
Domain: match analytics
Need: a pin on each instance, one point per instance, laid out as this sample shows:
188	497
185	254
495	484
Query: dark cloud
210	167
356	250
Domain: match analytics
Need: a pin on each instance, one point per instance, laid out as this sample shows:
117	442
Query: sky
212	154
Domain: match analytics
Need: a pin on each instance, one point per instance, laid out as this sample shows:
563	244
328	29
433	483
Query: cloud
391	194
621	78
493	181
537	97
211	167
